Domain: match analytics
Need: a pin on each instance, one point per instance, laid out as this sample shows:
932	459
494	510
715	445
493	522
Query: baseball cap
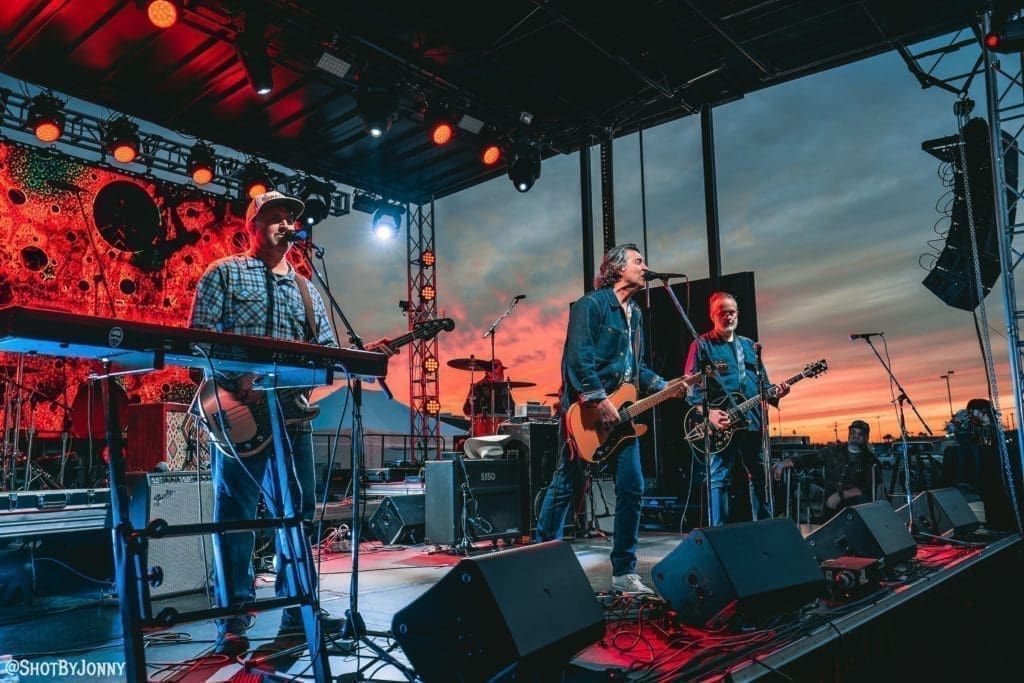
272	198
860	424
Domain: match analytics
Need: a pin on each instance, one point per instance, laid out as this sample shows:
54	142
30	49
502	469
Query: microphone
865	335
63	185
651	275
520	297
296	236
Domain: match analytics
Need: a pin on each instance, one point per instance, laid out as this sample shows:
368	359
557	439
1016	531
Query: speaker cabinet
745	571
526	610
176	498
493	484
535	445
942	512
157	432
865	530
399	519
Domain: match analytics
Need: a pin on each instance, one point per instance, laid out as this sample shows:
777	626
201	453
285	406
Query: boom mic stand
903	430
355	627
491	333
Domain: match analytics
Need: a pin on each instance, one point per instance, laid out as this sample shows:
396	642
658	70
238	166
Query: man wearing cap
258	293
847	468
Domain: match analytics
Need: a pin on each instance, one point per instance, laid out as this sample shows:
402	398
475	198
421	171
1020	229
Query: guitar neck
654	399
751	402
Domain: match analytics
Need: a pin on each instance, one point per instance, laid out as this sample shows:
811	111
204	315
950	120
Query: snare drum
486	425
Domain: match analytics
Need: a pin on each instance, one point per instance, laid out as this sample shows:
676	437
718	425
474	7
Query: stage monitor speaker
522	612
159	432
942	512
176	498
744	572
535	444
399	519
493	484
865	530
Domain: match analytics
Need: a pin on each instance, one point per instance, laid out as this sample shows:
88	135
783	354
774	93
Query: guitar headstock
815	369
426	329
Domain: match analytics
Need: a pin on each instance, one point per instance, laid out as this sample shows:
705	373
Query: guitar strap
741	367
312	329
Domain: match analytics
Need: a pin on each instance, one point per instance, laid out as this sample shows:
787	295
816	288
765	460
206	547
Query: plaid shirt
232	296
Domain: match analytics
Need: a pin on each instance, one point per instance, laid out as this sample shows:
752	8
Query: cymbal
11	370
511	384
475	364
554	394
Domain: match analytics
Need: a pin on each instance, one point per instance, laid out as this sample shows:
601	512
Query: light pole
878	421
949	394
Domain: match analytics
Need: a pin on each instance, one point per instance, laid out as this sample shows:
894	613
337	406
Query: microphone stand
766	449
491	333
903	430
355	626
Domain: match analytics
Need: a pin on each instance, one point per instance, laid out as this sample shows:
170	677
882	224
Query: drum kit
490	399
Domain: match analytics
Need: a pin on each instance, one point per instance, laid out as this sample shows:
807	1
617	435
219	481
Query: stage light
376	102
524	168
430	364
427	293
162	13
432	406
491	154
441	131
387	221
364	202
251	46
200	163
428	259
255	179
121	139
1008	38
316	195
46	117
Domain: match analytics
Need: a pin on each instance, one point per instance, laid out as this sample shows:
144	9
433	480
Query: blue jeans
629	489
236	497
741	457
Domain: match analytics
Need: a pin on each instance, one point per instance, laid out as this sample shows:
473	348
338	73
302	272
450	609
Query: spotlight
1009	38
442	130
387	220
427	293
200	163
524	168
162	13
316	195
377	103
428	259
251	46
46	117
363	202
255	179
490	153
430	364
432	406
121	139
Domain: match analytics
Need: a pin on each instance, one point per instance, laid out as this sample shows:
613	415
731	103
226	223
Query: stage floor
83	626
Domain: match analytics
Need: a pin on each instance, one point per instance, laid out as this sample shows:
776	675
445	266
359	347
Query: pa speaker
866	530
942	512
745	571
176	498
399	519
491	494
525	611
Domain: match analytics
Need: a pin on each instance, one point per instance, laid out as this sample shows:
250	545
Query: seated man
847	468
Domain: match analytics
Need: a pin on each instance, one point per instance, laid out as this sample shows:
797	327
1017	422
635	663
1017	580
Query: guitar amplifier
535	444
494	485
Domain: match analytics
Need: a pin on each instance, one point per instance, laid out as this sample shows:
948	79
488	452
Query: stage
934	615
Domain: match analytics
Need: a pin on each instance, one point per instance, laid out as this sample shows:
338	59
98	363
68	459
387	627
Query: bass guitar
719	438
594	440
247	427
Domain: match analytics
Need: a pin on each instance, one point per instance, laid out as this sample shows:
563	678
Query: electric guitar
247	427
694	422
594	440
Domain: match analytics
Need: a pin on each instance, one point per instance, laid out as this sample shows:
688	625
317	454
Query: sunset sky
824	193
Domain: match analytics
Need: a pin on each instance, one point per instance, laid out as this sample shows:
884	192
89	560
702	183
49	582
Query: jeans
740	457
629	489
236	496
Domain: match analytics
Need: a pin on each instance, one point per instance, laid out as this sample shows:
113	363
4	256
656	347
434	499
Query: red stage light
428	259
46	117
202	175
432	406
430	364
48	131
442	133
992	40
162	13
427	293
256	188
125	153
491	155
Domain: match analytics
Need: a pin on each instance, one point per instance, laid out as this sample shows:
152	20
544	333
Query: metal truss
1004	98
83	138
424	402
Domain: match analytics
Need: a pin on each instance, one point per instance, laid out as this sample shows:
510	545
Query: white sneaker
630	584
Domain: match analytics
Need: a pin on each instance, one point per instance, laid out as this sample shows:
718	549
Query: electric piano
129	345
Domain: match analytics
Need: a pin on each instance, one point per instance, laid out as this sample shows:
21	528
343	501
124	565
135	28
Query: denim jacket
725	352
597	346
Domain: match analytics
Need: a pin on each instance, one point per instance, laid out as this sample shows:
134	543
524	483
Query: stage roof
576	68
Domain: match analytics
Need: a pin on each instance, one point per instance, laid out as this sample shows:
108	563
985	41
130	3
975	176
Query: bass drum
487	425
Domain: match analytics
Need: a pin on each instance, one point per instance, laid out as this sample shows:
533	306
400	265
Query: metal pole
707	136
587	216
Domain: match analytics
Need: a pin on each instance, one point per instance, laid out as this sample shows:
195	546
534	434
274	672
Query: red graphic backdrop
97	242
